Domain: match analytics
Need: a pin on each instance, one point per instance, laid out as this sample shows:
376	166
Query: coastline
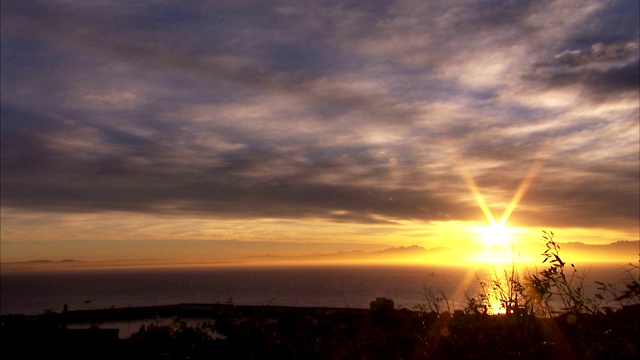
287	332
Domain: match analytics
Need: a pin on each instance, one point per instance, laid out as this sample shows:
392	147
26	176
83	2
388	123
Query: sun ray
477	195
521	191
496	235
495	228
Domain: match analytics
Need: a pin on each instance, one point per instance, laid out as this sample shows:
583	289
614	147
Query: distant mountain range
621	251
413	252
625	251
45	261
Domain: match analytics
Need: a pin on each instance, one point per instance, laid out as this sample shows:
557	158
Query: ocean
321	286
33	293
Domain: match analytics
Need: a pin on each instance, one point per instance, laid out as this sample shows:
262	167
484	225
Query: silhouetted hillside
273	332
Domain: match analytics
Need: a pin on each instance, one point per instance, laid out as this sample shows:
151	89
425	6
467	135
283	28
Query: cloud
347	112
603	69
599	53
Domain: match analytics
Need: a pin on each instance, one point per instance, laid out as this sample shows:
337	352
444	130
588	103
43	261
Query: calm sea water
347	286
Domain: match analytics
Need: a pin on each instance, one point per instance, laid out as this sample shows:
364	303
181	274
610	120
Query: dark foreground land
272	332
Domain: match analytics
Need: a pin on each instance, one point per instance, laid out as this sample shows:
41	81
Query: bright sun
495	234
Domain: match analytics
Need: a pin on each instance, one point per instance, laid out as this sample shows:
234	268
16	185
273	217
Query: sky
360	123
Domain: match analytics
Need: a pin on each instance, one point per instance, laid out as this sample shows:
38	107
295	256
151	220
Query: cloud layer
352	112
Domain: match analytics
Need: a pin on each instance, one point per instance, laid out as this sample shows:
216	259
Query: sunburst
496	232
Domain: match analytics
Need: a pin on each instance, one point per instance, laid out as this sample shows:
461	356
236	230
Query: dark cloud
494	14
598	53
623	79
617	22
38	174
581	202
601	69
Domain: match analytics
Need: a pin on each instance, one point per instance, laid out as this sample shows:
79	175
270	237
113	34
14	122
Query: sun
498	243
495	233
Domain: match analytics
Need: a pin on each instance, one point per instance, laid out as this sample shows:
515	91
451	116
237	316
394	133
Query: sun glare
495	234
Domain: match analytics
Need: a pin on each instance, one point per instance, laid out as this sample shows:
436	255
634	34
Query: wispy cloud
350	112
